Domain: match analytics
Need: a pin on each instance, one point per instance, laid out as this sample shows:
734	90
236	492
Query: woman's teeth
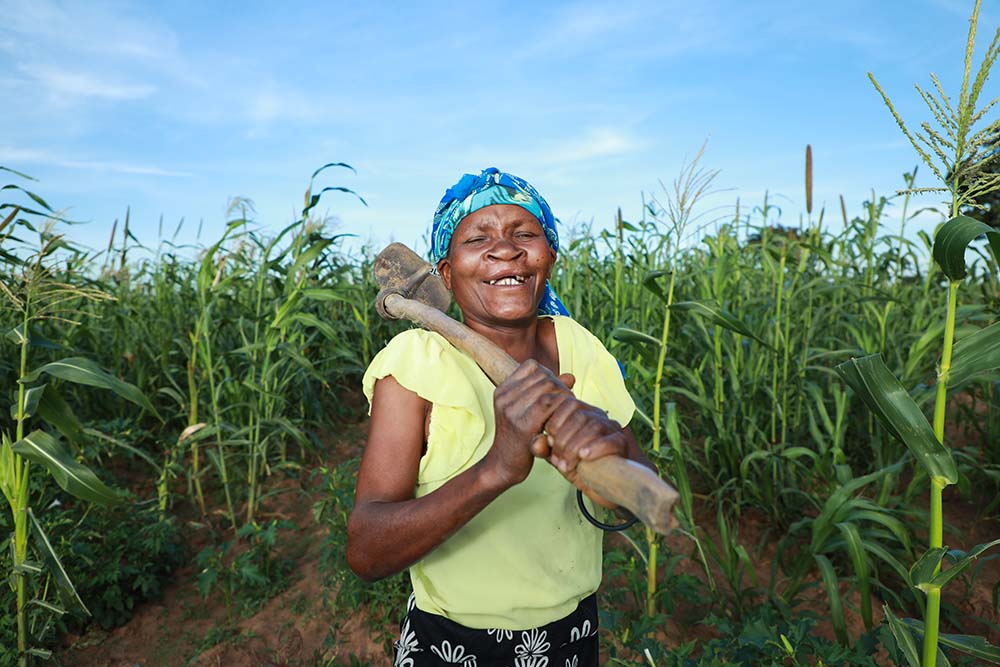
508	280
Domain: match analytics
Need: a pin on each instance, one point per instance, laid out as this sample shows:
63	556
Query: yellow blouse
530	556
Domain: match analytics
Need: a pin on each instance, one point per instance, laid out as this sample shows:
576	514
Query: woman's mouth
511	280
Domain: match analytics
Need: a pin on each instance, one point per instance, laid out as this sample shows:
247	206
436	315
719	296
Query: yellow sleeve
426	364
599	379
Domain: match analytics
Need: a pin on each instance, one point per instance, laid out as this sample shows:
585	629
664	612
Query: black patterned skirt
431	640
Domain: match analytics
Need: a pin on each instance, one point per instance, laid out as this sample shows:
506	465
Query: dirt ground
304	627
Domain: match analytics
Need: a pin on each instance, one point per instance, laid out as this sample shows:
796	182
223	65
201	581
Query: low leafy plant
246	575
120	556
385	600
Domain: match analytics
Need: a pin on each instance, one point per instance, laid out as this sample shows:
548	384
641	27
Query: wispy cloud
59	82
35	27
18	156
576	151
273	104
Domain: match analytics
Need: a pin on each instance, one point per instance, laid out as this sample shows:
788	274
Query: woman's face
497	265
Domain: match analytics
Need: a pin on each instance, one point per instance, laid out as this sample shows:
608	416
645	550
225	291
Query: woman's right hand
522	404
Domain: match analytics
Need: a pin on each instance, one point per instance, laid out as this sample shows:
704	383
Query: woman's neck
532	340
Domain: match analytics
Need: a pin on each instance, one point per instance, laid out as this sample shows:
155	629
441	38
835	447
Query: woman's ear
444	270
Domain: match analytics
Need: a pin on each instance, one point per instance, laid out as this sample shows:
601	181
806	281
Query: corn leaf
7	485
833	592
904	638
954	237
86	372
74	478
48	606
892	405
54	410
975	353
838	503
35	339
856	550
55	567
716	315
649	282
923	576
629	336
923	570
969	644
31	398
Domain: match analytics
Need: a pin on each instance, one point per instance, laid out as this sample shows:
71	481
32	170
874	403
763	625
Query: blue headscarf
493	186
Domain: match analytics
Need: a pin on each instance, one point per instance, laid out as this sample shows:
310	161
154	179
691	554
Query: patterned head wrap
493	186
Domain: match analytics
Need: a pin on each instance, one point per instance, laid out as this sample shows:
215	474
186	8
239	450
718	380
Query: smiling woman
473	487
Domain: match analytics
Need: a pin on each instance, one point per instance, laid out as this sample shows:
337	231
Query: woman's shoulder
422	361
578	337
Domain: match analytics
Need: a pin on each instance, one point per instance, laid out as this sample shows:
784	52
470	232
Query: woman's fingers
540	447
581	432
568	379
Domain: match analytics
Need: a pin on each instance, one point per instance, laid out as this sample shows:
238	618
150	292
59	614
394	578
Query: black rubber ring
600	524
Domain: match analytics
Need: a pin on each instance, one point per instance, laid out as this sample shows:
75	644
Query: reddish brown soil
304	627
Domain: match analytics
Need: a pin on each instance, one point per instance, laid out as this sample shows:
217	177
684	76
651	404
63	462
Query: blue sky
174	108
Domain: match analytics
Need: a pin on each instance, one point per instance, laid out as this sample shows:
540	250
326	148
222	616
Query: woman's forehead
498	215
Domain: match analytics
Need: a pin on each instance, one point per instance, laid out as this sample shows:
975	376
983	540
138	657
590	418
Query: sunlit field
182	426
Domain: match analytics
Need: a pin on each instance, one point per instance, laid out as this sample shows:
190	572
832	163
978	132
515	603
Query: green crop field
824	393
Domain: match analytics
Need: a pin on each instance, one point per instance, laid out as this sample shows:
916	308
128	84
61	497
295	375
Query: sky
172	109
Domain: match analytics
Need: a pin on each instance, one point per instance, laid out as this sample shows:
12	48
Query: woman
458	483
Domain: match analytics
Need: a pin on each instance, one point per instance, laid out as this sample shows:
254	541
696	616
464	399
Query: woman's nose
504	249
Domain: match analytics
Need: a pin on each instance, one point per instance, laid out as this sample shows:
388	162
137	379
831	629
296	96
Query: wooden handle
619	480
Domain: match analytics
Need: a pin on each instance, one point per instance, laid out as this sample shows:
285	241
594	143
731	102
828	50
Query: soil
304	627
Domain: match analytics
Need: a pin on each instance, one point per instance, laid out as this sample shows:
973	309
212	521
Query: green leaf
968	644
649	282
72	476
58	611
925	580
7	485
898	413
54	410
35	339
86	372
904	638
833	592
310	320
823	523
923	570
308	256
954	237
975	353
716	315
314	199
325	294
630	336
55	567
31	397
856	550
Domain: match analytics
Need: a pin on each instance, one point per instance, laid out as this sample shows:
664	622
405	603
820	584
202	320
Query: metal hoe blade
399	270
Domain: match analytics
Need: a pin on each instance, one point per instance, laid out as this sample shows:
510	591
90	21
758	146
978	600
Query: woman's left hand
578	432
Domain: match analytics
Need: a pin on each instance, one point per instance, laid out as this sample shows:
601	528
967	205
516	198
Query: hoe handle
619	480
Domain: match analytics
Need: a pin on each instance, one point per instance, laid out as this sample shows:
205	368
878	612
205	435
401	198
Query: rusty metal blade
399	269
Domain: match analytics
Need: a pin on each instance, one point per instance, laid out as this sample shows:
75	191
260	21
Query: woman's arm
389	529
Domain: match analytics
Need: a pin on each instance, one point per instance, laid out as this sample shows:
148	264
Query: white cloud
13	156
58	82
33	27
595	143
269	105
